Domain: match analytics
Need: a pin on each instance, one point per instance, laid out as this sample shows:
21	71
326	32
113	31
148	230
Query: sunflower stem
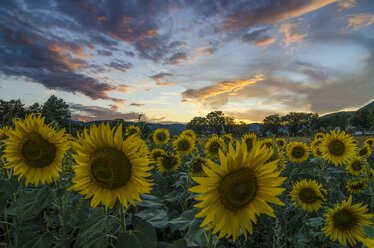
122	215
210	242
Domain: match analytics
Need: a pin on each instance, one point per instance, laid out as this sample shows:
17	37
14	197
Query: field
116	187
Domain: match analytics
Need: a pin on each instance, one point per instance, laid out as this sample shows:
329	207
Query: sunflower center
358	185
238	188
184	145
280	143
37	151
161	136
249	143
344	220
370	142
298	152
110	168
356	165
155	155
133	131
363	151
169	162
308	195
197	166
336	147
214	147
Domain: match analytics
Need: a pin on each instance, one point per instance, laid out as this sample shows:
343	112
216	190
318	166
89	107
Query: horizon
173	61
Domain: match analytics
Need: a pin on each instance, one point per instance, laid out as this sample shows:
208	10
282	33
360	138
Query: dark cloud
120	65
104	53
258	37
90	113
137	104
161	80
176	58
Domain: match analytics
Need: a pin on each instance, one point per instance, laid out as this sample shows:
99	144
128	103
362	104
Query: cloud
258	37
161	80
137	104
148	89
226	87
346	4
176	58
113	107
268	12
123	87
209	49
291	35
120	65
90	113
360	20
104	53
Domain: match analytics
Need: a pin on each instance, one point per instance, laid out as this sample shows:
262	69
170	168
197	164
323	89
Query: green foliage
361	120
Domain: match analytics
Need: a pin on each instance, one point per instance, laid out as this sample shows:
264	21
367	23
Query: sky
173	60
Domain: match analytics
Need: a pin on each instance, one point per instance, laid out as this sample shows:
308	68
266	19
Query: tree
56	109
216	120
197	124
11	109
299	121
272	123
361	120
36	108
371	118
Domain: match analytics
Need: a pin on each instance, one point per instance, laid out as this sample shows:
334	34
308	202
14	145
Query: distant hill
367	107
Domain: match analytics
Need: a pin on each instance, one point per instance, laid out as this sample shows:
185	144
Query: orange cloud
165	83
265	41
290	33
346	4
62	54
148	89
123	87
220	88
360	20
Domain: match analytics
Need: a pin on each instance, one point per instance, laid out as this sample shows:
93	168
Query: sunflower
213	145
281	143
369	142
355	142
196	166
314	147
227	138
368	242
184	144
168	162
150	138
4	132
345	222
355	187
297	152
268	143
337	147
355	166
319	135
161	136
130	130
190	133
249	139
238	190
35	150
364	151
109	167
307	194
156	153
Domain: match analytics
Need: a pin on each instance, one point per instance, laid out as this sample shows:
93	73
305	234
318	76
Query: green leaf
369	230
8	186
180	243
42	200
185	219
144	236
150	201
156	217
45	241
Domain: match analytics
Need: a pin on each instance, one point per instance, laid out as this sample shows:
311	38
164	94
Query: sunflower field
113	187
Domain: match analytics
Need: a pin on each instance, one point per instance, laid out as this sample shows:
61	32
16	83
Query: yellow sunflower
355	142
369	142
168	162
314	147
130	130
196	166
307	194
345	222
156	153
35	150
190	133
367	241
4	132
364	151
319	135
238	190
355	186
297	152
109	167
337	147
281	143
213	145
184	144
249	139
268	143
227	138
150	138
355	166
161	136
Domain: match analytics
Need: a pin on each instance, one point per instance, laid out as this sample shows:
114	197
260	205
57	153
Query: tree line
293	123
